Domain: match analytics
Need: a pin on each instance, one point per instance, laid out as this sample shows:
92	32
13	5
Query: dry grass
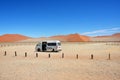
56	68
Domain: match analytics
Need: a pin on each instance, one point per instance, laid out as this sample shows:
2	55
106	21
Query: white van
48	46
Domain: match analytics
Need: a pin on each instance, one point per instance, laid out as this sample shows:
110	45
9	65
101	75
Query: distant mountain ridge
66	38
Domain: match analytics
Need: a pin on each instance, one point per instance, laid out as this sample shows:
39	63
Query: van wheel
53	50
38	50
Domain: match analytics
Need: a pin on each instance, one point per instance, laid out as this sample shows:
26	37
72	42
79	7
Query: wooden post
91	56
36	54
62	55
25	54
48	55
109	56
77	56
15	53
5	53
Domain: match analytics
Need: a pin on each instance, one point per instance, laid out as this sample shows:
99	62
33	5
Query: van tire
38	50
53	50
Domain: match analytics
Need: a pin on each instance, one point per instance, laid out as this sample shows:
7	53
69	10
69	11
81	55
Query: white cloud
101	32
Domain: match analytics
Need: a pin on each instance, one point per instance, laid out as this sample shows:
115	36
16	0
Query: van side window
51	44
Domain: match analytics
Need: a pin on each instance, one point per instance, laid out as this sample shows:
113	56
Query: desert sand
56	68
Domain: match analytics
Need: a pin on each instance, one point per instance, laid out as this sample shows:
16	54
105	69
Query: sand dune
72	38
114	37
64	38
17	37
117	35
12	37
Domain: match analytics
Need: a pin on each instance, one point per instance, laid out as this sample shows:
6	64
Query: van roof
50	41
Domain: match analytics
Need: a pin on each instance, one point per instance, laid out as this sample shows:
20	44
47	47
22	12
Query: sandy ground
55	68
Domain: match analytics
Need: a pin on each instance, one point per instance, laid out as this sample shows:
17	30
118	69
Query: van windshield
38	44
59	44
51	44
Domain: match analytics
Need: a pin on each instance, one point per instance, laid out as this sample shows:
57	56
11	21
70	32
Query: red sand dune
59	37
108	36
12	37
64	38
77	38
71	38
102	36
116	35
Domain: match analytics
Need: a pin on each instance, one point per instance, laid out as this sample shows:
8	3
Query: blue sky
37	18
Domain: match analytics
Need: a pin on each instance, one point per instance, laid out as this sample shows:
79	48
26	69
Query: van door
44	45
